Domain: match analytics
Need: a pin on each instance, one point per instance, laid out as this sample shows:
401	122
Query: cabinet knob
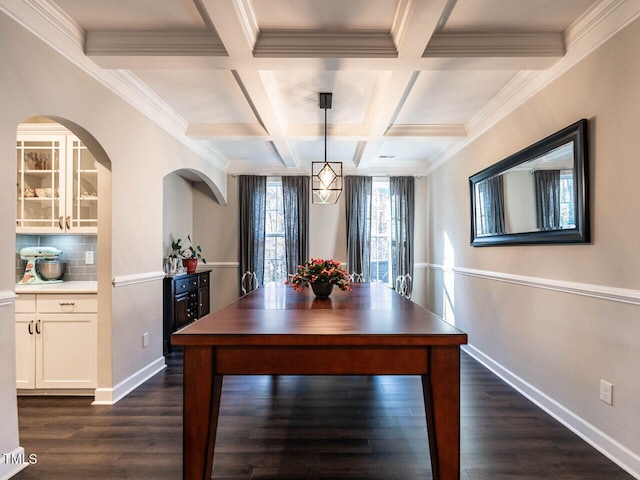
38	331
60	224
66	304
30	327
68	222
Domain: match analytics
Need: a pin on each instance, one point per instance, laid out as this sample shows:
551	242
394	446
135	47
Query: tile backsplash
73	249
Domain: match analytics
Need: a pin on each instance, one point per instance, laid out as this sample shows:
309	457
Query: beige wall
558	345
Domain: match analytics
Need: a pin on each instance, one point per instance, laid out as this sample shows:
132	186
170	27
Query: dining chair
248	282
356	277
404	285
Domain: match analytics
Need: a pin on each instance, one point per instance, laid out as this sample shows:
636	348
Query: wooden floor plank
306	428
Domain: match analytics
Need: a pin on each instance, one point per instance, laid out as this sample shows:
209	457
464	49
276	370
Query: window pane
274	255
380	232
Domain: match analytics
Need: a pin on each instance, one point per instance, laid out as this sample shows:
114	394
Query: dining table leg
441	389
202	391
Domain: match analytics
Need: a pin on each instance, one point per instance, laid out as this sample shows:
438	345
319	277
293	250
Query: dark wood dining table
275	330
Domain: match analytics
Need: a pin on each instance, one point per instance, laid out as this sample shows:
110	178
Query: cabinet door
181	311
203	301
66	350
41	183
82	189
25	350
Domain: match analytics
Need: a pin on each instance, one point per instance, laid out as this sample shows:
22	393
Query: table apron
269	360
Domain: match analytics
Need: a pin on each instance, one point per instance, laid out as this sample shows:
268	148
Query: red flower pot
190	264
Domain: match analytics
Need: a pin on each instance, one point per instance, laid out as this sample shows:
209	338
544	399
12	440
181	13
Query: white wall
36	81
556	345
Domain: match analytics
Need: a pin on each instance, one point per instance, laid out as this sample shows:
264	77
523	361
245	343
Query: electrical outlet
606	392
88	258
145	340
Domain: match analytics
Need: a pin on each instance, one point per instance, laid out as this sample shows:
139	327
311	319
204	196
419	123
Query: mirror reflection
538	195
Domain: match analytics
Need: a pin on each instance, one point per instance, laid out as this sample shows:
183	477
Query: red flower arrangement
320	271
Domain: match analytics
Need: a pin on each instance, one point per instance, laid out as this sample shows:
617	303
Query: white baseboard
109	396
8	470
616	452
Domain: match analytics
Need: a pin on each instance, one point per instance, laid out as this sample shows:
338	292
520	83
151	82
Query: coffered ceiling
238	80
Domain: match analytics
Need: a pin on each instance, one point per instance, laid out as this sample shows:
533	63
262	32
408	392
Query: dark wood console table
274	330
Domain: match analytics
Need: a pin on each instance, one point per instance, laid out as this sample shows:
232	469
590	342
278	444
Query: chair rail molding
123	280
7	297
614	294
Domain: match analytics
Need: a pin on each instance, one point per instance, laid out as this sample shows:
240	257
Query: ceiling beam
323	44
190	43
496	44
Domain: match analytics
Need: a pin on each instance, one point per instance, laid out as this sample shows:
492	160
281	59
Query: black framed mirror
538	195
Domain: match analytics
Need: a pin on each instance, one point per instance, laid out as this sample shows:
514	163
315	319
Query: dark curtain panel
547	199
252	192
402	193
295	191
495	205
357	191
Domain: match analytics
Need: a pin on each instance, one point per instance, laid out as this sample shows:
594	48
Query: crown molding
426	131
473	44
295	43
222	131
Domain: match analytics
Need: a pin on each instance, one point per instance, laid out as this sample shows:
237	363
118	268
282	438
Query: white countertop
62	287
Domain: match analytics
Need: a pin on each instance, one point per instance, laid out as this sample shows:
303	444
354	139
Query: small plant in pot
189	252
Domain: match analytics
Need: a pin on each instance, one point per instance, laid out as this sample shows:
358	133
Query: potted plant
322	275
189	252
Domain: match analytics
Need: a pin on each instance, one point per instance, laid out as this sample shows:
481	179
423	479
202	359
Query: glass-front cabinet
57	183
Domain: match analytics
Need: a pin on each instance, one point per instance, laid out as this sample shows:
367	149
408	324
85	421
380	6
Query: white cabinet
57	182
56	341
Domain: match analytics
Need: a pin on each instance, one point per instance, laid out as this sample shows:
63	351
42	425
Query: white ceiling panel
325	14
313	151
450	97
351	91
206	96
529	15
125	14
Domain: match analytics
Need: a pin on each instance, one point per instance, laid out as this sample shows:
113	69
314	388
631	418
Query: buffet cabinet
186	299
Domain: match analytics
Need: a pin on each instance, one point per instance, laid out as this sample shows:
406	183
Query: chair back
404	285
248	282
356	278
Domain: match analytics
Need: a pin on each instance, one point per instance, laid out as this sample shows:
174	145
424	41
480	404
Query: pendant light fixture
326	176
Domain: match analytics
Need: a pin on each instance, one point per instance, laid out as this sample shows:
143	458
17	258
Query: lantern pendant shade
326	185
326	182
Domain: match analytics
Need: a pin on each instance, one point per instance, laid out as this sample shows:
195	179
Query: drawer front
203	279
186	284
26	303
65	303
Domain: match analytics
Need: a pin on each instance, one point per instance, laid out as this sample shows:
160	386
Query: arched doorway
63	200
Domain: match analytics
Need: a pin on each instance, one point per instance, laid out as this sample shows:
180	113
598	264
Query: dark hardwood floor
306	428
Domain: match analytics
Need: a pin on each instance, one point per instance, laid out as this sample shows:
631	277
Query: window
567	209
275	269
380	269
